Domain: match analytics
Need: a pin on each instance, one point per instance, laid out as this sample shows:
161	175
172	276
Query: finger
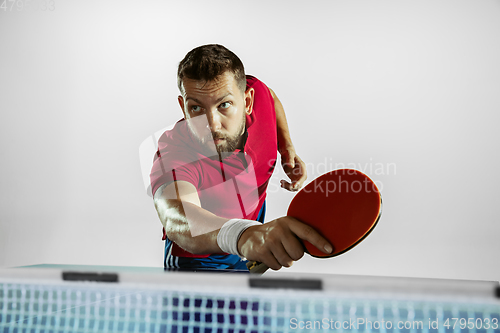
282	255
293	247
287	165
305	232
301	173
299	182
296	184
288	186
271	262
288	159
296	181
291	160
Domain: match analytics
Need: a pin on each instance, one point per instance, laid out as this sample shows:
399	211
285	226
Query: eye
225	105
195	108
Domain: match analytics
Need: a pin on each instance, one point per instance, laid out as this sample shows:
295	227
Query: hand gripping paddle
342	205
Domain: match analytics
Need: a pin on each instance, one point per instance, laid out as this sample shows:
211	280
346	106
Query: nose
214	121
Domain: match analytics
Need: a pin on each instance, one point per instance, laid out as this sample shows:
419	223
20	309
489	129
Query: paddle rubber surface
343	205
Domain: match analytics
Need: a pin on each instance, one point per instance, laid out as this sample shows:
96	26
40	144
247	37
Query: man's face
215	111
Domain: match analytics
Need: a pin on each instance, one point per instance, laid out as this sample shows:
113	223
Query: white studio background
407	91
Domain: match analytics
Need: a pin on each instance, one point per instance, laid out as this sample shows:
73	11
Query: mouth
218	140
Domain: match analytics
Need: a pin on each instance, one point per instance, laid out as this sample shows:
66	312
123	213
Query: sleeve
169	166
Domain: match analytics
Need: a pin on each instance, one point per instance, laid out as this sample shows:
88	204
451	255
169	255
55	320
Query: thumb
290	159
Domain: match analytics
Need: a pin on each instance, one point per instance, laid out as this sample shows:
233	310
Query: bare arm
177	202
284	139
195	229
292	164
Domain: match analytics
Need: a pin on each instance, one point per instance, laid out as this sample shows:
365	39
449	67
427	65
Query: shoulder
174	133
253	82
263	102
262	91
175	160
178	139
176	148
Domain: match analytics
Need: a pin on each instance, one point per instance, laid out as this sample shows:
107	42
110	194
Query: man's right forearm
189	226
195	230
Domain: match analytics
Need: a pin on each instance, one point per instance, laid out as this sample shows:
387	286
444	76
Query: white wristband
230	233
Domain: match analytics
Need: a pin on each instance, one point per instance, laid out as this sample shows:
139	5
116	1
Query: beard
230	142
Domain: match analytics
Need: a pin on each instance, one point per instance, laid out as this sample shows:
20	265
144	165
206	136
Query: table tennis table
75	298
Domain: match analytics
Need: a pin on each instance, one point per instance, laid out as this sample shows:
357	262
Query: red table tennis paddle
342	205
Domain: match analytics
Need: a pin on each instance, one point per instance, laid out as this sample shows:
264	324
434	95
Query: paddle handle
256	267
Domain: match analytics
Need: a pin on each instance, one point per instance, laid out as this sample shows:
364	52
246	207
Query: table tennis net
98	308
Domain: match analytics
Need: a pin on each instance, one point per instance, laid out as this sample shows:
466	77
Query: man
211	171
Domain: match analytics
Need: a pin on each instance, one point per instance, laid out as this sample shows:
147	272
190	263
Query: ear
180	99
249	98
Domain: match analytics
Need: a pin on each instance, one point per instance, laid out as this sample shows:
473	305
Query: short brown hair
207	62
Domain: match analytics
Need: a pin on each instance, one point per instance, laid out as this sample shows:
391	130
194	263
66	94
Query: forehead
224	84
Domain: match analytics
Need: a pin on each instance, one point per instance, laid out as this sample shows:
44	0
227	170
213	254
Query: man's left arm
293	166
